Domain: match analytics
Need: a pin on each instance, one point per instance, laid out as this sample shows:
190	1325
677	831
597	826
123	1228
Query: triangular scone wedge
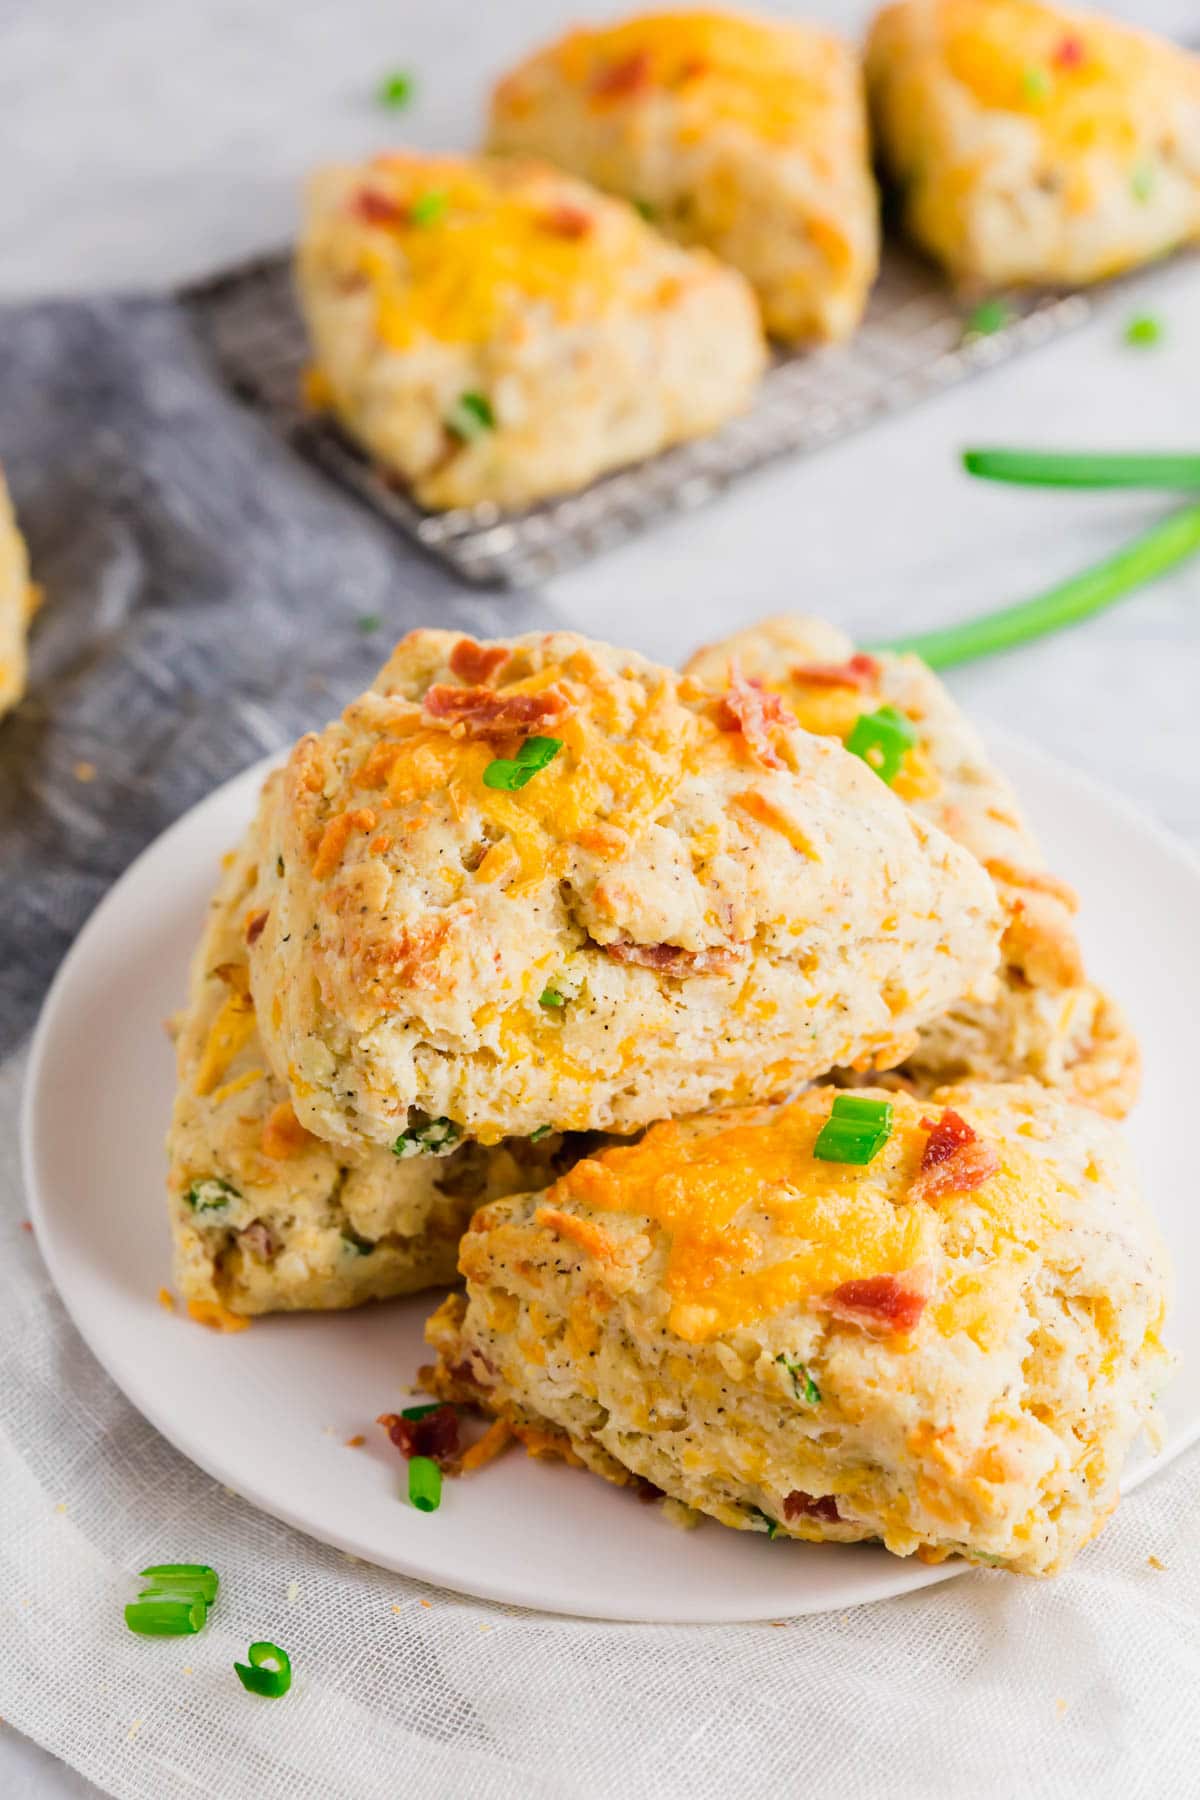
18	601
492	330
746	135
1045	1019
265	1217
1033	144
677	898
950	1348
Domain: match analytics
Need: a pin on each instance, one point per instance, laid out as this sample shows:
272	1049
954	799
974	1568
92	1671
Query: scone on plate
492	330
950	1347
1045	1019
265	1217
746	135
18	599
542	882
1033	144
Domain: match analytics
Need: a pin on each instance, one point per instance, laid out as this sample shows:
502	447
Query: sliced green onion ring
268	1670
855	1131
190	1579
881	739
424	1484
166	1618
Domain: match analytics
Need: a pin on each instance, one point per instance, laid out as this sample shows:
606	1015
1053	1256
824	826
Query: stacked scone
529	898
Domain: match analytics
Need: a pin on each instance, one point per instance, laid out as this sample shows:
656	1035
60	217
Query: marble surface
157	141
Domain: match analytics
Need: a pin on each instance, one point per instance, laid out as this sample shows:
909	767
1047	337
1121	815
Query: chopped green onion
1144	559
470	416
211	1195
423	1411
193	1579
368	623
855	1131
551	997
427	209
647	210
1083	469
881	739
772	1525
424	1484
1142	181
543	1131
396	90
1035	84
1144	331
361	1246
434	1139
166	1618
268	1670
511	774
989	316
803	1385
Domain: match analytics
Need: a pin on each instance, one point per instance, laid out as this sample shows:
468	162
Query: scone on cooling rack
18	599
746	135
492	330
265	1217
1044	1018
1032	144
950	1346
542	882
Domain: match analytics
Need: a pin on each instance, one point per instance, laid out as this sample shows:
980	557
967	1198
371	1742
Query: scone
18	599
265	1217
746	135
493	330
950	1347
1045	1019
543	882
1032	144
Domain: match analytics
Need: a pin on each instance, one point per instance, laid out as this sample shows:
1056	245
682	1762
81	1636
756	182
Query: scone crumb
1155	1564
166	1299
352	1443
85	771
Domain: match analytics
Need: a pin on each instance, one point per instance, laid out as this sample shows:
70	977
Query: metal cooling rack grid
910	346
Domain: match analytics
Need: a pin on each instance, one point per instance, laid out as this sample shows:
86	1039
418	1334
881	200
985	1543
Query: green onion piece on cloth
424	1483
1170	542
881	739
268	1671
855	1131
1071	469
166	1618
184	1579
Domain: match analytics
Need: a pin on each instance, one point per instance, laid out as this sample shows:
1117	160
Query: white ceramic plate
267	1411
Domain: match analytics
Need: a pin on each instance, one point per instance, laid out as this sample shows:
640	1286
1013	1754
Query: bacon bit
336	836
860	671
496	1438
435	1436
216	1316
26	1224
1070	52
257	1239
166	1299
282	1133
377	209
481	713
965	1167
255	922
568	222
671	959
748	708
355	1442
799	1505
476	663
946	1135
880	1304
1040	881
619	80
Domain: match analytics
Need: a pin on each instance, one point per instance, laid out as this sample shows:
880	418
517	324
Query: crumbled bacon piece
671	959
476	663
946	1135
568	221
799	1505
860	671
747	707
1070	51
378	209
880	1304
963	1166
435	1436
617	81
258	1240
482	713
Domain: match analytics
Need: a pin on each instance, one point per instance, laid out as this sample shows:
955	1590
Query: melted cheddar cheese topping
725	1193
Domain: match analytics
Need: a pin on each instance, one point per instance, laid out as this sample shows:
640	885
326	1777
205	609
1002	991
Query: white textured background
146	140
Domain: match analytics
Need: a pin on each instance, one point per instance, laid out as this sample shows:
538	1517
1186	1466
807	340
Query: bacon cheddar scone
543	882
494	330
18	599
1032	144
266	1217
946	1337
1045	1019
746	135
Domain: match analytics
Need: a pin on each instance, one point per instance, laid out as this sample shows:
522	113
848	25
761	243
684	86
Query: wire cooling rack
915	342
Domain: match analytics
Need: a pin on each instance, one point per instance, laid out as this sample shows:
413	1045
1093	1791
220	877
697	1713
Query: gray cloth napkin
208	596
